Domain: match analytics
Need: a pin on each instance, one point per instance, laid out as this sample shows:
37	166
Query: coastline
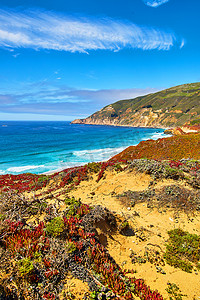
60	170
119	125
49	147
121	192
138	202
81	165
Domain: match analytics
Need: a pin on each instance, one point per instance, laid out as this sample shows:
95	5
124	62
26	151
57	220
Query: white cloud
54	31
52	99
182	44
155	3
66	95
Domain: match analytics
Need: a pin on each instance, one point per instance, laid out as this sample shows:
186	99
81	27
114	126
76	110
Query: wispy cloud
54	31
65	101
182	44
155	3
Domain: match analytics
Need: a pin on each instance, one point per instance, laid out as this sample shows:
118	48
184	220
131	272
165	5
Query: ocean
45	146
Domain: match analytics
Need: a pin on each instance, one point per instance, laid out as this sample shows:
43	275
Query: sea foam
39	147
24	168
98	154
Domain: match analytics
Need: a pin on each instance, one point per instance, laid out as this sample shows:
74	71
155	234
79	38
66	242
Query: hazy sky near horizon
61	60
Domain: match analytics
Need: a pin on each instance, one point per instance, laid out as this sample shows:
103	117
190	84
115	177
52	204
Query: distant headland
170	108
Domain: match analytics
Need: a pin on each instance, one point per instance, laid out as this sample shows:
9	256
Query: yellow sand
120	246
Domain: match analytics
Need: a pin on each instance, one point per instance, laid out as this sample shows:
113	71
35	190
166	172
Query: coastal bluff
169	108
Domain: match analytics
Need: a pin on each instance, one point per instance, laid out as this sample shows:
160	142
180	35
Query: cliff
172	107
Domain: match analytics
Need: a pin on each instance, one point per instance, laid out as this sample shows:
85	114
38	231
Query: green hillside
171	107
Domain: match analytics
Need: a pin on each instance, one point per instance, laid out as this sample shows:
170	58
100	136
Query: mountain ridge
172	107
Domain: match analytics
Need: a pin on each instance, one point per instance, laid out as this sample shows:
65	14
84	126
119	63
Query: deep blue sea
38	147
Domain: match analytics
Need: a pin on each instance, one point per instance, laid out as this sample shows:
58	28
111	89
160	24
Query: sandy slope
153	224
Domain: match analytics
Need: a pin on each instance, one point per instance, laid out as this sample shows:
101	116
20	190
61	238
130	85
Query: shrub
71	247
182	250
94	167
55	226
174	292
72	201
25	266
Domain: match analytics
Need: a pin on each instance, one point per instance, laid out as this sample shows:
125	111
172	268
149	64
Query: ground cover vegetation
45	234
36	255
182	250
173	148
35	258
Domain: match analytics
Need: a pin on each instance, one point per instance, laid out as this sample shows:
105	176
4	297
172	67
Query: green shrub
72	201
72	204
182	250
171	171
2	217
94	167
55	226
118	168
174	292
25	266
70	247
195	122
42	178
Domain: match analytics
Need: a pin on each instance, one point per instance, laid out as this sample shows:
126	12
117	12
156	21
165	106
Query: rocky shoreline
185	129
114	123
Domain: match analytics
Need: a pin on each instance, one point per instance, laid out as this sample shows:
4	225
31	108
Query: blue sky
61	60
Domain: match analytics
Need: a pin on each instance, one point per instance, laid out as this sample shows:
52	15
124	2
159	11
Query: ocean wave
24	168
97	153
158	135
47	152
106	153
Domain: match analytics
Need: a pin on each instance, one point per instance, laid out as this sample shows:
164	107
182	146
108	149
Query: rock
132	203
168	131
136	214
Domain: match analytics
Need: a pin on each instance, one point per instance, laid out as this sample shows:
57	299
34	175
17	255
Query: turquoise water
38	147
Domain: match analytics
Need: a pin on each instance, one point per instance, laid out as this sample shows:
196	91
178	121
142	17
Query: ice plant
26	242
